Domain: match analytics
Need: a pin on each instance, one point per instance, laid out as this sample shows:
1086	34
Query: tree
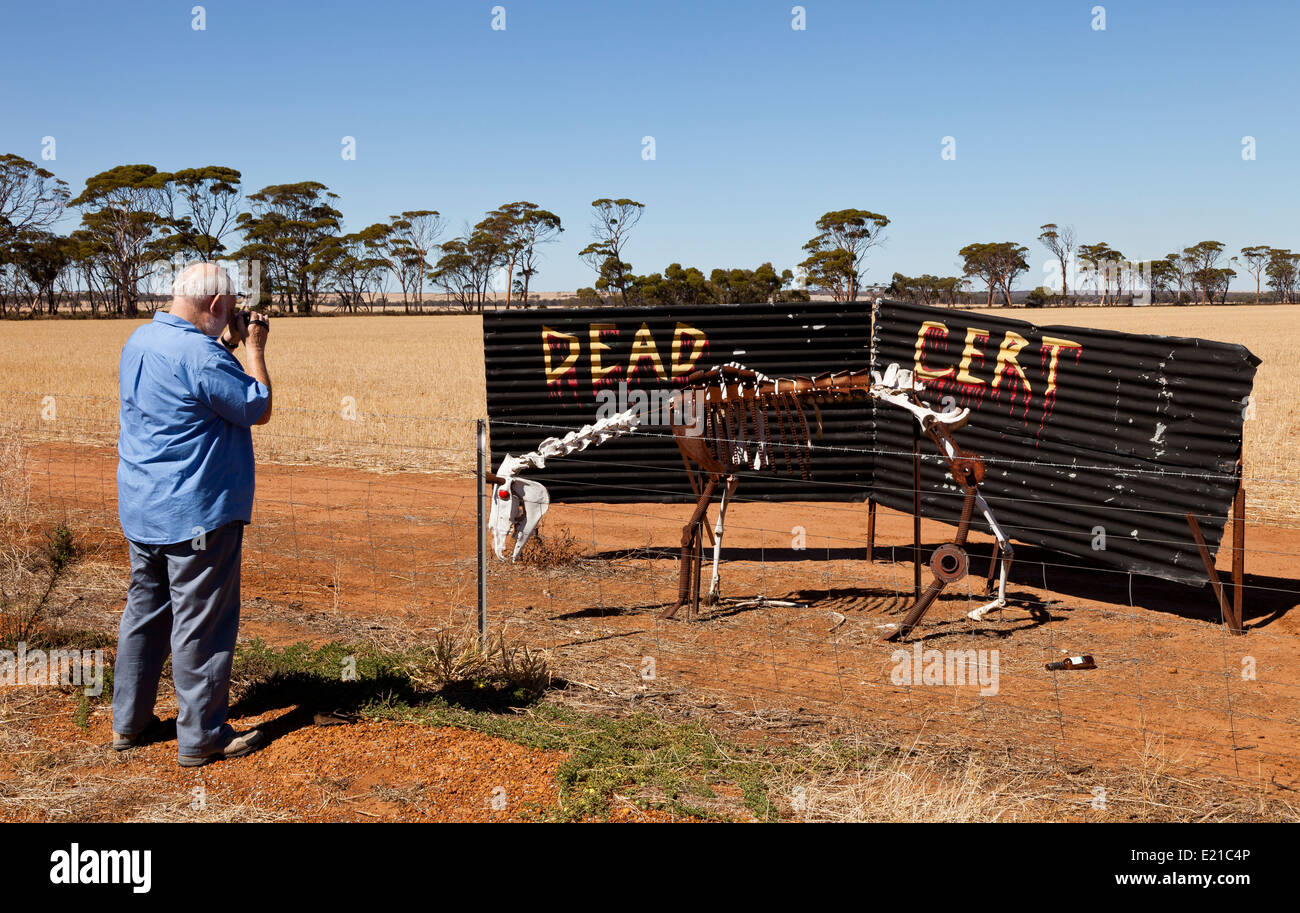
837	253
676	285
998	263
1091	258
1060	241
203	205
127	211
43	256
354	265
1256	259
1103	263
412	238
1039	297
502	226
1217	281
612	221
90	264
1181	267
30	197
534	227
1281	271
747	286
1115	267
466	267
925	289
1162	275
286	229
1203	262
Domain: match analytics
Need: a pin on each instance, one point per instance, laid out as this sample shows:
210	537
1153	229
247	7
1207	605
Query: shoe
143	737
239	745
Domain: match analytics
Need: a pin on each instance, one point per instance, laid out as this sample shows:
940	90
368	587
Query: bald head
204	295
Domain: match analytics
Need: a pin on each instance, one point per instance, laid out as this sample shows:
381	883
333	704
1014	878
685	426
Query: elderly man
184	493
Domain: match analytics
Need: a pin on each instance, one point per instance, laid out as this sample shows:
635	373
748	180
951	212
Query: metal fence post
480	482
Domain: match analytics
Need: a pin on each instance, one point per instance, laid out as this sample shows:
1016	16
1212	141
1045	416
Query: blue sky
1132	134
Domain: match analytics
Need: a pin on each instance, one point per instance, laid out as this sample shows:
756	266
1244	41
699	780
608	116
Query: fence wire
346	551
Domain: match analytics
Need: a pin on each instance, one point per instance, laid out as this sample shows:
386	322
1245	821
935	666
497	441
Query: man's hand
259	327
236	330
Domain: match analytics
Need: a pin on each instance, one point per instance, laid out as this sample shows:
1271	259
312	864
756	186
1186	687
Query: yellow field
416	385
379	392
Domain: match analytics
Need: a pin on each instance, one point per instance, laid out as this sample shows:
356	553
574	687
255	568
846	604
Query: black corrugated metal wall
548	372
1081	429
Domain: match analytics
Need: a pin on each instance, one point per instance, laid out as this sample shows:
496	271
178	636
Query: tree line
135	219
1197	274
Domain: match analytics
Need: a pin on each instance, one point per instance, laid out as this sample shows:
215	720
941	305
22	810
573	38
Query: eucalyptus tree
998	263
412	238
1256	260
612	222
126	211
204	205
1061	242
837	253
286	229
30	197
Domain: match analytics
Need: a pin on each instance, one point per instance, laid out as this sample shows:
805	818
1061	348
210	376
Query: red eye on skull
503	494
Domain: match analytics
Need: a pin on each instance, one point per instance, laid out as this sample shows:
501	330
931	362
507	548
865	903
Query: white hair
200	281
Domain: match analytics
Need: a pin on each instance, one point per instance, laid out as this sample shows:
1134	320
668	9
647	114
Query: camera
236	328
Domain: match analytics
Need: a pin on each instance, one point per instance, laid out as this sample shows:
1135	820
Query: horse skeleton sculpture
730	418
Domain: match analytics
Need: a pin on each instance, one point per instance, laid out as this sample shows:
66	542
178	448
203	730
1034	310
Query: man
184	493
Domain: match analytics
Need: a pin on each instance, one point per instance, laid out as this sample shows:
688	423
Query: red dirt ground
341	553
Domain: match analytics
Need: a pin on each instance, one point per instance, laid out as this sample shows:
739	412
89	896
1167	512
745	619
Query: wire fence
339	550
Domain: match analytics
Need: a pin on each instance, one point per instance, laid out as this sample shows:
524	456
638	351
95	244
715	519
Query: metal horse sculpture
731	418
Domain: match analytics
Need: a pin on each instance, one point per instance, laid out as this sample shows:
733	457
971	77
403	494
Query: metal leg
688	575
714	587
1007	555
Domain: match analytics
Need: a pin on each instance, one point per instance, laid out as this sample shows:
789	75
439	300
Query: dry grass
33	555
935	782
559	548
416	385
377	392
908	788
1273	334
457	656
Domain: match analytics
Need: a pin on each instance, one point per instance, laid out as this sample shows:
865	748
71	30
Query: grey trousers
184	601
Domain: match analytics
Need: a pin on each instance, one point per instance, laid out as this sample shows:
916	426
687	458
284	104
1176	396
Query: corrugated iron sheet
1082	430
546	371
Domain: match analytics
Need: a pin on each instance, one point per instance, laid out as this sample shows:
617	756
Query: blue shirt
185	451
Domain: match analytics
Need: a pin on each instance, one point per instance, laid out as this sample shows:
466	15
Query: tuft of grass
903	786
558	549
31	574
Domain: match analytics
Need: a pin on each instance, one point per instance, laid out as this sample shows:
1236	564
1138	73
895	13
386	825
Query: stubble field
402	393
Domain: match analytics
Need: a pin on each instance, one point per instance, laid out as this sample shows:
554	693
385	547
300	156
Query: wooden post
1225	612
871	528
1238	558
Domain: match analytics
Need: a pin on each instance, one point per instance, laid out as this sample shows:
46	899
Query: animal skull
518	505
